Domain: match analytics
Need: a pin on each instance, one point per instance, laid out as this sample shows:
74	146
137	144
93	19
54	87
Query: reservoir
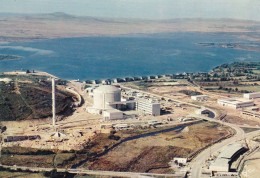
122	56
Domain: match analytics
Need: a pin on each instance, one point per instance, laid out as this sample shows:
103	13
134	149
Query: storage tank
106	94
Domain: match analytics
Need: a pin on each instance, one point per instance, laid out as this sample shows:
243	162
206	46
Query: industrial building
199	97
112	114
251	113
179	161
224	160
147	106
103	96
106	94
252	95
235	103
109	103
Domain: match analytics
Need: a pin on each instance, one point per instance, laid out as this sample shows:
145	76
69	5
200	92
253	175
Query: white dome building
104	95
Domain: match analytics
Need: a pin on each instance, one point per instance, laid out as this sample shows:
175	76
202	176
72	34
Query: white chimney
53	103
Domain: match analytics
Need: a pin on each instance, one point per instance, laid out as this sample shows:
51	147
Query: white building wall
180	160
112	114
235	105
219	168
199	97
148	107
103	96
252	95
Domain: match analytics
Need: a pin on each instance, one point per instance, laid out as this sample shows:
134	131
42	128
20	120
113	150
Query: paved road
198	162
93	172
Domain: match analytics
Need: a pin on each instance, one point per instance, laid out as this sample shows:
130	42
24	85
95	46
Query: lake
110	57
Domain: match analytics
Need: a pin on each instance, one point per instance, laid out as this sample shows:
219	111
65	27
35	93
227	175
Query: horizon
121	18
139	9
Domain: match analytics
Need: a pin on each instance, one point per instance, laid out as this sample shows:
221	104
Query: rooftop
235	100
220	162
200	96
112	111
107	89
230	150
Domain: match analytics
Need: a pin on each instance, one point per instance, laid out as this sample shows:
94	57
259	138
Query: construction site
152	124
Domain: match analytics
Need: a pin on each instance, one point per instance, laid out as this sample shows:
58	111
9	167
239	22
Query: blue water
110	57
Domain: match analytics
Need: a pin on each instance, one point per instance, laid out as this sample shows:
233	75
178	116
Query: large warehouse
235	103
228	154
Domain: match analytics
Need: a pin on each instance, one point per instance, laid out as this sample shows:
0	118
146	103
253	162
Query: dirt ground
252	167
153	153
174	91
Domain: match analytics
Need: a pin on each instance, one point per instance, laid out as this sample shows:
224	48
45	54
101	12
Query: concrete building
90	90
228	154
148	107
199	97
121	126
112	114
235	103
220	165
180	160
252	95
108	102
104	95
253	112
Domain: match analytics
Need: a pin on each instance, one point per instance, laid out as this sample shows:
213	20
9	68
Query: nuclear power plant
105	96
107	101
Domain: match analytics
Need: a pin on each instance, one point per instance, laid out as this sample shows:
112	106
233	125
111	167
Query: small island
8	57
241	46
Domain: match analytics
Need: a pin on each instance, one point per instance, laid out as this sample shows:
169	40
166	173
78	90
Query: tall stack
53	103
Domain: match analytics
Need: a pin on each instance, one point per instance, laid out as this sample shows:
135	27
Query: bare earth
153	154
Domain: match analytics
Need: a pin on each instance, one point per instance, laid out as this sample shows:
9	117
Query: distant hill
20	27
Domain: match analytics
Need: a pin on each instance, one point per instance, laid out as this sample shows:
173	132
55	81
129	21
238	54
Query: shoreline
128	78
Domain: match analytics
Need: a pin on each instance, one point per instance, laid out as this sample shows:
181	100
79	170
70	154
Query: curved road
199	161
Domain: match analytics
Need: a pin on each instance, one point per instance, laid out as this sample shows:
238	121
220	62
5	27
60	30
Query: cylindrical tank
106	94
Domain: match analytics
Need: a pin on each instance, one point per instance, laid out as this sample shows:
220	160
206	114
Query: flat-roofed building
252	95
255	114
199	97
148	107
180	160
235	102
220	165
112	114
228	154
231	151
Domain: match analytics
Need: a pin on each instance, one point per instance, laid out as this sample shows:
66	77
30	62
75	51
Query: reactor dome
105	95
